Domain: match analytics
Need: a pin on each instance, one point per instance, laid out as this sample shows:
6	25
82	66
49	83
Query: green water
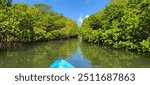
76	52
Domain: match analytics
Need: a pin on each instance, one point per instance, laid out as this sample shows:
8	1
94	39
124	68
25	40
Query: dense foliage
122	24
23	23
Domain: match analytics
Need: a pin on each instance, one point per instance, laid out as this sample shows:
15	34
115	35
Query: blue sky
74	9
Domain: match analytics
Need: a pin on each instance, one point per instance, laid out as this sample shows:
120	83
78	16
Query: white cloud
81	18
86	16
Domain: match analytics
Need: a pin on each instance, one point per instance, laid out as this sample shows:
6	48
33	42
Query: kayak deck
61	63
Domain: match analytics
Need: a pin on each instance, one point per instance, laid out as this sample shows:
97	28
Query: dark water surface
76	52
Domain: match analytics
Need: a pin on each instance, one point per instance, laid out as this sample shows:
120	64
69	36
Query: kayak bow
61	63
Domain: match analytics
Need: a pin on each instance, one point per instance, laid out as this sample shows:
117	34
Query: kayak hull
61	63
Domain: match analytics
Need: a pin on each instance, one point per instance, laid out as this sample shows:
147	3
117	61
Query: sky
74	9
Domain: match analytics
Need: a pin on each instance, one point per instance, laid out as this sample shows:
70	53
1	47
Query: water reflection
78	60
44	54
103	56
79	54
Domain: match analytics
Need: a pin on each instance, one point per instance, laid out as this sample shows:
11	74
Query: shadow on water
76	52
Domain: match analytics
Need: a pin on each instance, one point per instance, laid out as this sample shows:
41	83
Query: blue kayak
61	63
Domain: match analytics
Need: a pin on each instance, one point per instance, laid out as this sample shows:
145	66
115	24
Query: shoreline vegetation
121	24
23	24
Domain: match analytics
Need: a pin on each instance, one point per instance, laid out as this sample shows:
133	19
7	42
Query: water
76	52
